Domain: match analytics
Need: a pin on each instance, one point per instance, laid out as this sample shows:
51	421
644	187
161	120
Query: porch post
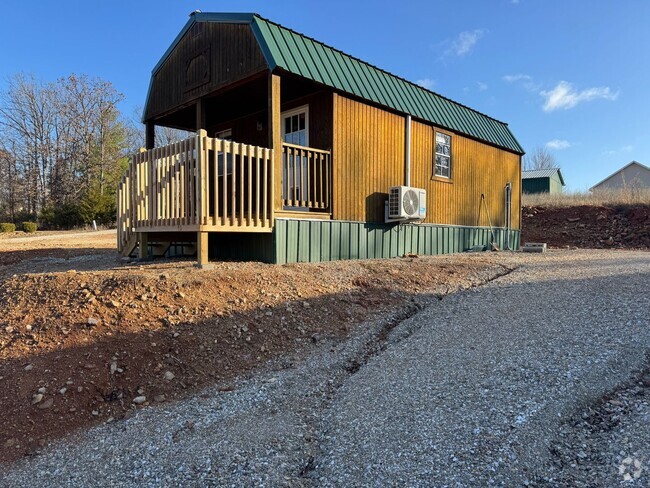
200	114
202	249
150	135
275	142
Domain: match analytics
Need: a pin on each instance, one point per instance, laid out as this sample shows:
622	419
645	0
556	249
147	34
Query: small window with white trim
443	155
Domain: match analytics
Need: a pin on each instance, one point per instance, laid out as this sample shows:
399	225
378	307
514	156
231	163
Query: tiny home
305	153
632	176
542	181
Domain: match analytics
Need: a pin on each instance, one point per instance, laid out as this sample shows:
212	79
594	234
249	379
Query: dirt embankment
82	347
585	226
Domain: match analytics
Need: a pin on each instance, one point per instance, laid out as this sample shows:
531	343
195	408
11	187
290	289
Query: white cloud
525	80
427	83
481	86
465	42
517	77
558	144
564	96
623	149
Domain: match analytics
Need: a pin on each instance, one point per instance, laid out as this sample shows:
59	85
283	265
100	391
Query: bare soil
588	226
83	333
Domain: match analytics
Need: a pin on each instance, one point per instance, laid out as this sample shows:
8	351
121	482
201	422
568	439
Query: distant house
632	175
542	181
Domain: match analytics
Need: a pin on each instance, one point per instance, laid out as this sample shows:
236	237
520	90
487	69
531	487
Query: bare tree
66	141
169	135
11	186
163	135
26	116
540	158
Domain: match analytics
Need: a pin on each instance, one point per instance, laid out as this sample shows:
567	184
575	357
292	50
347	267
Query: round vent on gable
410	202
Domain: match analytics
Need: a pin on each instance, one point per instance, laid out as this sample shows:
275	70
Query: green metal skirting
298	241
311	241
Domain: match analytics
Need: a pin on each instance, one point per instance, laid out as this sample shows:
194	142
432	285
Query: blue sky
569	75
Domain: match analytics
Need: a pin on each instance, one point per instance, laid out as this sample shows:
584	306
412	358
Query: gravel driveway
483	388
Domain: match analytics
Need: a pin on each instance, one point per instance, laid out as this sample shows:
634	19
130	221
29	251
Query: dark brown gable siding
209	56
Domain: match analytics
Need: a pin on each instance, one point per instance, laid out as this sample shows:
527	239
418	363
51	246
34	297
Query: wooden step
129	246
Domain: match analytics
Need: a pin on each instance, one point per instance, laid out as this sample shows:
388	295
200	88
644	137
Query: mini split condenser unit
406	203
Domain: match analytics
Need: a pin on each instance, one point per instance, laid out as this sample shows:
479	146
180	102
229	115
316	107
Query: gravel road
496	386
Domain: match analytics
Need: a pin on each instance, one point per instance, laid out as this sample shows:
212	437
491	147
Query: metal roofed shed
542	181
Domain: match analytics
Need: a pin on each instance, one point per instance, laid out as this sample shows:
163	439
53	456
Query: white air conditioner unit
406	203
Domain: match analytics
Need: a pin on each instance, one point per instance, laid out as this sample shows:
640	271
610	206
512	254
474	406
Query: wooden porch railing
125	230
199	184
306	178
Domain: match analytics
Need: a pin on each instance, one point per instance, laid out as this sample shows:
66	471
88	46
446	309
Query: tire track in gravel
593	447
374	346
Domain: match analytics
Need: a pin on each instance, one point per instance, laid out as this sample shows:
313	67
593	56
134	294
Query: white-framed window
295	130
224	134
295	126
443	155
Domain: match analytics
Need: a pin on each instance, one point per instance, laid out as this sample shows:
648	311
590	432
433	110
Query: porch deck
205	184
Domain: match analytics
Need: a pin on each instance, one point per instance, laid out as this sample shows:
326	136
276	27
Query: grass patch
627	196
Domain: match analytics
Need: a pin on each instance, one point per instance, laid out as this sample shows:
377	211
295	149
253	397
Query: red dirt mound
586	226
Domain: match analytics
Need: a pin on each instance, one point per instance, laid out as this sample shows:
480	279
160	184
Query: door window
295	126
295	130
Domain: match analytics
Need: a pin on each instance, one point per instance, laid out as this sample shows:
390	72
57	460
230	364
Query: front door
295	131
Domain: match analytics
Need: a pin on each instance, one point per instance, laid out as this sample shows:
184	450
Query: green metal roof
542	173
298	54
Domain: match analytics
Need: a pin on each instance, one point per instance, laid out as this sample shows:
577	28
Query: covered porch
250	161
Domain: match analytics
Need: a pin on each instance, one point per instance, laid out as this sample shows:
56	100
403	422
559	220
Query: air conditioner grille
393	201
411	202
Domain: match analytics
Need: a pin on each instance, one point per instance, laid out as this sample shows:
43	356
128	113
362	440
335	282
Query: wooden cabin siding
210	56
476	168
367	158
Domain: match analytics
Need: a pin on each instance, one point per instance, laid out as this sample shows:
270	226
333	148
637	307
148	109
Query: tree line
63	147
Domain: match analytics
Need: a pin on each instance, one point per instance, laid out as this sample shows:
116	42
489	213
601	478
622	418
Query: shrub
98	207
7	227
63	216
30	227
